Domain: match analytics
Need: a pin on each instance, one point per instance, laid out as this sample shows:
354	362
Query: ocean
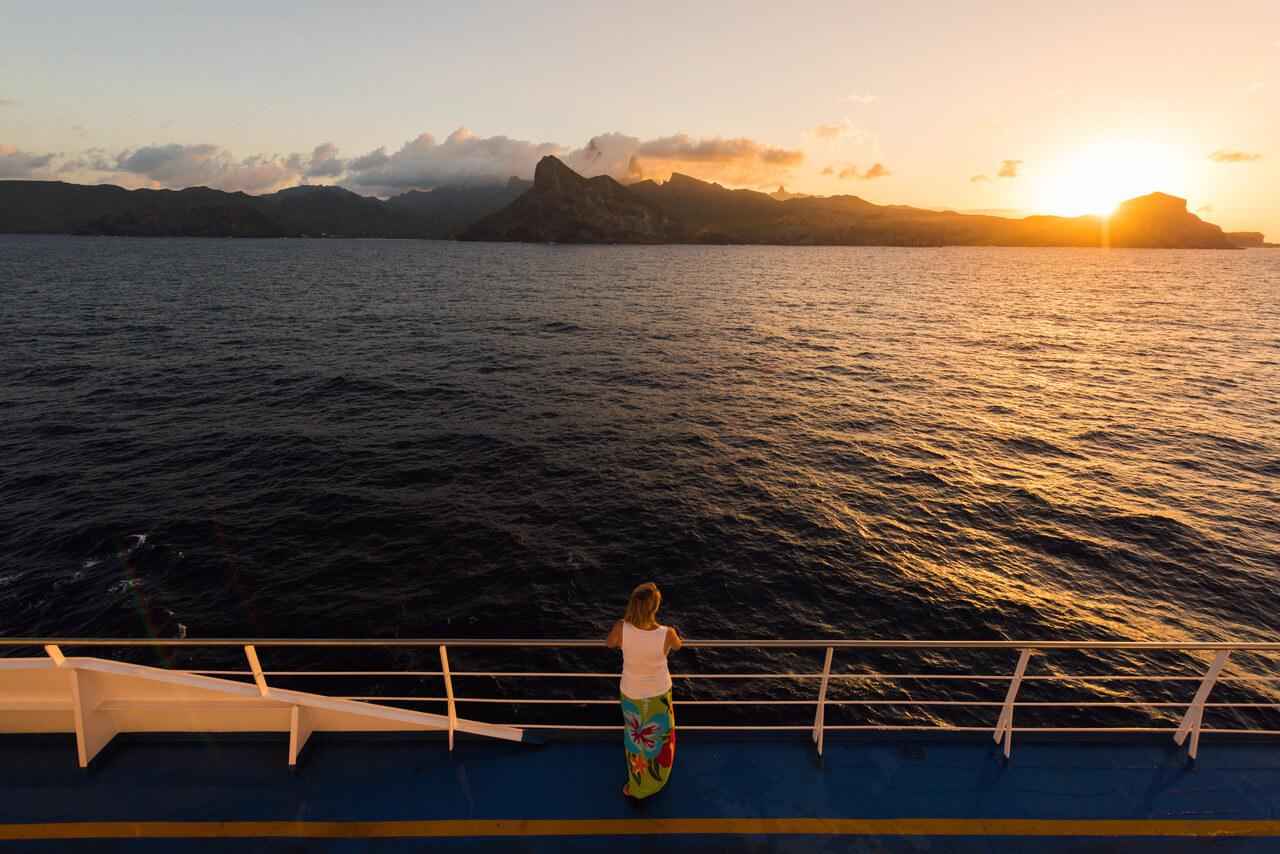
315	438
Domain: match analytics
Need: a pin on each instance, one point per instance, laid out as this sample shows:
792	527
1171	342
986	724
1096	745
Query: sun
1094	179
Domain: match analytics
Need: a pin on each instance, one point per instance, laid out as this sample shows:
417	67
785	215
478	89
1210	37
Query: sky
996	107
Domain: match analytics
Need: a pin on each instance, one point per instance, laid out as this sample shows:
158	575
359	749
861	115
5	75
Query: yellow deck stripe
638	826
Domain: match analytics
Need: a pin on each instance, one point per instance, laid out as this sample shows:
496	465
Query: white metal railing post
820	715
1191	719
448	691
252	655
1004	726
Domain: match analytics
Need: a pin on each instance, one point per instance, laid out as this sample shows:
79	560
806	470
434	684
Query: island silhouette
562	206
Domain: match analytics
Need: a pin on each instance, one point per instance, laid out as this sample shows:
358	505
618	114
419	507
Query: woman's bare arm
673	641
614	638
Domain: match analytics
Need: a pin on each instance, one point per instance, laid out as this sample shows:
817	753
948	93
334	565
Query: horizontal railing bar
846	701
806	728
564	702
557	702
599	643
891	677
936	728
250	674
576	675
359	673
865	676
1110	729
994	677
902	727
1244	678
916	728
887	677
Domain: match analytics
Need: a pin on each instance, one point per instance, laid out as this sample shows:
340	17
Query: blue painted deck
725	794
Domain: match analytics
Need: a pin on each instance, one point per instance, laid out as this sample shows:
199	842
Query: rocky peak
1159	220
782	195
680	180
550	172
564	207
1159	204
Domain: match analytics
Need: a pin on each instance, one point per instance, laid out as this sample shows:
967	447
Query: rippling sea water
425	439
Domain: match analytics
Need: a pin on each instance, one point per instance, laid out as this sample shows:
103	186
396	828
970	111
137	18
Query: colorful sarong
650	742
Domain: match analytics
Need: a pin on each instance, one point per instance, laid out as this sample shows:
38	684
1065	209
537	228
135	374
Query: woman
646	692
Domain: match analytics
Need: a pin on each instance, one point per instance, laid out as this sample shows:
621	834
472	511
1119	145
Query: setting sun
1096	179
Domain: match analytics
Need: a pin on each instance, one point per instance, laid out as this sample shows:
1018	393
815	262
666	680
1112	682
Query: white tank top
644	664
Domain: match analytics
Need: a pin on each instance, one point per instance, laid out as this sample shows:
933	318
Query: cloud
614	154
979	179
1205	209
325	162
718	150
155	161
100	159
463	157
176	166
834	133
1009	169
861	98
93	160
741	161
877	170
15	163
420	163
830	170
1224	156
372	160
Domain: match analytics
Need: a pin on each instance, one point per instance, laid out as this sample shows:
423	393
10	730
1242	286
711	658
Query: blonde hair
644	603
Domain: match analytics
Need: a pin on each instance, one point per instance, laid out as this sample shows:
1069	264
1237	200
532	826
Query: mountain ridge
565	207
1157	220
562	206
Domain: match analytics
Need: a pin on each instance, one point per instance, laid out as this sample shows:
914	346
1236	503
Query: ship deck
354	794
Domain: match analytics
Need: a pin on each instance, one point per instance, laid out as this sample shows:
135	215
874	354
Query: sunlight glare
1095	180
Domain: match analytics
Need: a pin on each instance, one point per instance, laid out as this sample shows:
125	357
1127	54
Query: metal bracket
1191	719
1004	726
448	690
258	677
820	715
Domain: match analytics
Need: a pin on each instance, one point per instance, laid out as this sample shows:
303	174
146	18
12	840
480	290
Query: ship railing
1180	708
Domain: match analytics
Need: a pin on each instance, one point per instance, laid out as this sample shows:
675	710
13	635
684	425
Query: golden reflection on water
1080	400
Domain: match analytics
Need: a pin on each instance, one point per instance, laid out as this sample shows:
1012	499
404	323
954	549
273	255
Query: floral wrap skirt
650	742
